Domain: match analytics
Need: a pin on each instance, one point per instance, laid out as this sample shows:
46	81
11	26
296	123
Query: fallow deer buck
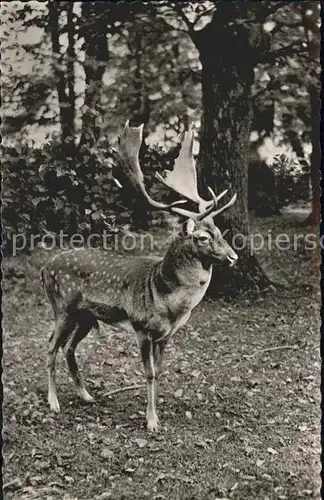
153	297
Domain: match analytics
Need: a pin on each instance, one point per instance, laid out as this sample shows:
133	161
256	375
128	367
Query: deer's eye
203	238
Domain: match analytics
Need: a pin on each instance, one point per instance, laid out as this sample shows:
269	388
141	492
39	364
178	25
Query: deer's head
204	240
199	232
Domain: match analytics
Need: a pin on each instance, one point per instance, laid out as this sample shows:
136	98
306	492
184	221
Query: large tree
94	31
231	45
154	72
310	21
64	75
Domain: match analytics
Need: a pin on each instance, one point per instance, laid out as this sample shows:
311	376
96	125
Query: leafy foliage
281	90
152	74
45	192
169	69
290	186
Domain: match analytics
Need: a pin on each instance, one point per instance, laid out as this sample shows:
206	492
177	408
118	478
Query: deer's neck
182	267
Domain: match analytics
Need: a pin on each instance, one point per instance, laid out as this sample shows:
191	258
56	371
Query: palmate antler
182	179
130	142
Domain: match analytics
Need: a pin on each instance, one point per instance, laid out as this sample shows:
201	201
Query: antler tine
209	212
205	213
129	145
183	178
201	215
225	207
185	213
216	199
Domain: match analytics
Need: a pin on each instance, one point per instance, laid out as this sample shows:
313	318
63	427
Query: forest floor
238	405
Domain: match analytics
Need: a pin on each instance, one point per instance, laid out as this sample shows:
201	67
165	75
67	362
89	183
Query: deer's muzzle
232	258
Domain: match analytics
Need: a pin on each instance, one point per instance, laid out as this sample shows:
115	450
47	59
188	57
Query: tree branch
271	349
274	7
288	50
279	26
123	389
184	18
204	13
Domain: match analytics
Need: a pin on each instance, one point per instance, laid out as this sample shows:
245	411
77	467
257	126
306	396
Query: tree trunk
315	165
66	111
316	151
228	56
70	65
96	58
139	113
310	17
140	108
315	159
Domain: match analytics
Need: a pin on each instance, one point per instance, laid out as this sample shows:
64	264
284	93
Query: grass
238	404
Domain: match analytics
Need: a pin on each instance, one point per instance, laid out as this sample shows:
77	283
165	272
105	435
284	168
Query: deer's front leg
146	350
158	352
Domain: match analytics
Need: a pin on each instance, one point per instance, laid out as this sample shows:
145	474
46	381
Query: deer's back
115	289
85	276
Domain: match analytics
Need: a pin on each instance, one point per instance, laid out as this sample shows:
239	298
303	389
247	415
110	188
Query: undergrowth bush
292	180
46	191
270	188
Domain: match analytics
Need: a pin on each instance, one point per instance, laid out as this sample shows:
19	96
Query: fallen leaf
42	465
201	444
272	451
160	477
141	442
129	470
220	438
106	453
13	485
36	480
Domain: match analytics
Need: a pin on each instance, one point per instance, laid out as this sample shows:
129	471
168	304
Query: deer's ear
188	227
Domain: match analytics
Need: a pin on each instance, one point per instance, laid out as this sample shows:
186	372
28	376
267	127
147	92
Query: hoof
89	399
153	424
86	396
54	405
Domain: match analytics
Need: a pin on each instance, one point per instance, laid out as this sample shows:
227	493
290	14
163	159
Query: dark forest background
246	75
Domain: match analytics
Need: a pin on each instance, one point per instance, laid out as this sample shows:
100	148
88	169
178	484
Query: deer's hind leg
64	326
86	321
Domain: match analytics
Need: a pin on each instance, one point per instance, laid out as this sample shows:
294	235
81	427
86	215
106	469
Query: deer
150	297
